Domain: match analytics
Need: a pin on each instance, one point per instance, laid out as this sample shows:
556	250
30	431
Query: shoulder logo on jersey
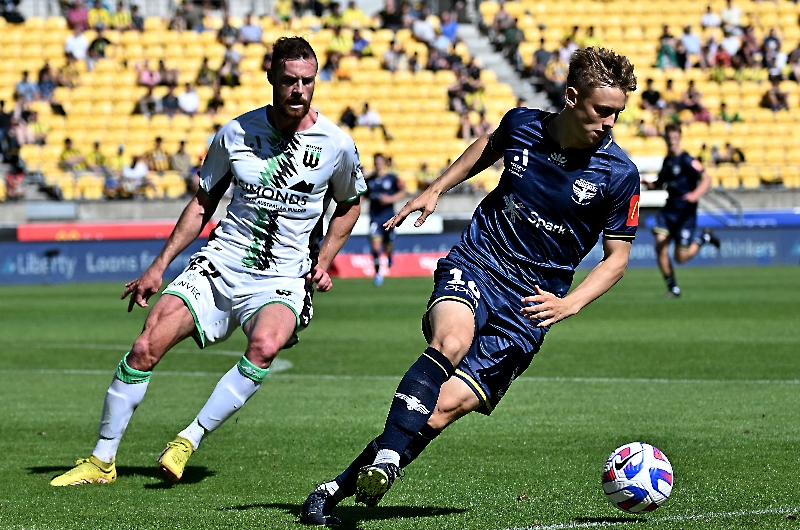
283	292
558	159
311	156
516	168
254	143
633	212
583	191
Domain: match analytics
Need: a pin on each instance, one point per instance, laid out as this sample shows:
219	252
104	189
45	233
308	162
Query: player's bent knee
144	356
262	351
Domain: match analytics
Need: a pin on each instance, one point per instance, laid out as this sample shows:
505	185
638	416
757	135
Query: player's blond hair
597	67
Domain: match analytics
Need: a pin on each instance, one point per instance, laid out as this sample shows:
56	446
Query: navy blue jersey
550	206
679	175
387	184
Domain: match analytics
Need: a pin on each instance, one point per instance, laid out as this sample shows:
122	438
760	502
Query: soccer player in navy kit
506	282
685	181
384	189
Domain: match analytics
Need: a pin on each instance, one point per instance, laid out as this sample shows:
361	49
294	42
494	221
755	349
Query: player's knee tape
129	375
251	371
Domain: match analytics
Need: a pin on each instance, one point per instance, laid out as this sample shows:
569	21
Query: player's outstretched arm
472	161
191	222
342	222
701	189
549	308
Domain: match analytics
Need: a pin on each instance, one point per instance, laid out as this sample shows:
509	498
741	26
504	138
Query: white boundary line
674	518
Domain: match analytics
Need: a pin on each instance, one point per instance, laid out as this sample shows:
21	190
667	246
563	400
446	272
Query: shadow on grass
351	515
612	520
191	475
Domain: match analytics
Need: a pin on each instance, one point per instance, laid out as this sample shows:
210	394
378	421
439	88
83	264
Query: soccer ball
637	477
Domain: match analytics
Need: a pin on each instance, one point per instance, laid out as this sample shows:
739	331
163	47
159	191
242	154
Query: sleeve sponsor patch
633	212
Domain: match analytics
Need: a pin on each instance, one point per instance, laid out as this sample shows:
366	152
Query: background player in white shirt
286	162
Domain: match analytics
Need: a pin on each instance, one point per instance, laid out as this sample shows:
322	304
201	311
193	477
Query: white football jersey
282	186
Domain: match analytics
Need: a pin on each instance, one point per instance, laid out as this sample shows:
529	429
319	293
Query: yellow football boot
87	471
173	459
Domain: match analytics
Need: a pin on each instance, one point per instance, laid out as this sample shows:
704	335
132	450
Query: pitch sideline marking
674	518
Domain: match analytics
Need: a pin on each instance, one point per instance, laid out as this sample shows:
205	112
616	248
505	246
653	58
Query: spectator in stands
555	80
97	48
39	129
730	155
728	117
731	17
361	46
665	56
168	76
457	92
710	19
116	162
26	90
137	20
146	76
449	25
395	58
191	17
748	48
371	119
775	99
436	61
353	17
340	42
193	180
5	125
771	42
71	159
98	15
135	181
229	73
181	161
112	186
77	44
251	31
15	180
206	76
424	176
793	65
473	69
390	17
215	103
513	37
348	118
20	132
591	39
422	29
96	160
227	34
731	44
148	105
78	17
568	47
121	19
500	23
283	12
189	101
540	59
334	18
169	103
157	158
692	44
68	75
441	43
651	98
47	83
693	101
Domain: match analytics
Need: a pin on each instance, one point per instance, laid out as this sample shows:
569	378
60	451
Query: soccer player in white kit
286	162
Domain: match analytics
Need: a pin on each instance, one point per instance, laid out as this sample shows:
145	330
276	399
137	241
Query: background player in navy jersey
685	181
506	282
384	189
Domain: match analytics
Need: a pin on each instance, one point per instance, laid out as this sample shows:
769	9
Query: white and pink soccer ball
637	478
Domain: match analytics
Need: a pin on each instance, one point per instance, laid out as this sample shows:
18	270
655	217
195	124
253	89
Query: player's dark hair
289	49
598	67
672	127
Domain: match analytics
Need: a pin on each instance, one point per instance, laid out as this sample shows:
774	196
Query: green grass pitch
711	379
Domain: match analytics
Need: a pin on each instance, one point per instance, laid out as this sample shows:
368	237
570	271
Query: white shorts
221	299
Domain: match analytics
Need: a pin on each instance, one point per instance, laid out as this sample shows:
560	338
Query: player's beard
294	114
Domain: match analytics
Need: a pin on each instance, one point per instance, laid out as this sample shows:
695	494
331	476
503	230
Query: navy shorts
504	343
679	225
376	230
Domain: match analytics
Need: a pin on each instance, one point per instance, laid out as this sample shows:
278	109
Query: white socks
387	456
230	394
121	400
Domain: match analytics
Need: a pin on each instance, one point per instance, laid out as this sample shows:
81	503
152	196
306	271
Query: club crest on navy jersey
583	191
